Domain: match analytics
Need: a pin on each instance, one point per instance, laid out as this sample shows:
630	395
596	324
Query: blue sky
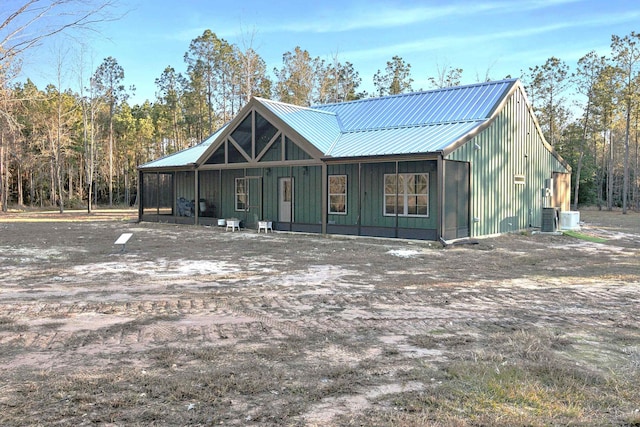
483	37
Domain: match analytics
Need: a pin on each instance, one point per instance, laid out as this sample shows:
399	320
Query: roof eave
431	155
169	168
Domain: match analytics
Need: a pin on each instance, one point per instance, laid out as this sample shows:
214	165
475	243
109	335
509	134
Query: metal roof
320	128
453	104
419	122
406	140
185	157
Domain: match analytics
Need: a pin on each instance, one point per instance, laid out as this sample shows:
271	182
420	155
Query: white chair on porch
265	225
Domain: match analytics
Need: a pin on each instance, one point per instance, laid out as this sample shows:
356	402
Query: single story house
450	163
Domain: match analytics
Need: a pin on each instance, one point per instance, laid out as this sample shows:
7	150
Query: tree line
70	148
601	142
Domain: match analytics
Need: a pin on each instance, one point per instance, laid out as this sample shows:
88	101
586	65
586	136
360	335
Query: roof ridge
416	93
301	107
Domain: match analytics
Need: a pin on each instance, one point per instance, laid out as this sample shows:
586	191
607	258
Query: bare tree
447	77
35	20
547	83
108	79
586	78
8	130
395	79
89	105
295	81
626	54
26	25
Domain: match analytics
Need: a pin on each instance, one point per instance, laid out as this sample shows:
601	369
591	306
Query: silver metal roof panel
321	128
185	157
407	140
460	103
419	122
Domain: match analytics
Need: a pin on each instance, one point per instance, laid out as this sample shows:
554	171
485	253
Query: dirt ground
195	325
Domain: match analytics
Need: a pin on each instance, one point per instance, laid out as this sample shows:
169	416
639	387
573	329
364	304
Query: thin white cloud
438	43
382	16
377	16
369	16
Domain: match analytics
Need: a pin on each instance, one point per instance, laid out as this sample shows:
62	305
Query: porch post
140	196
396	201
323	198
196	202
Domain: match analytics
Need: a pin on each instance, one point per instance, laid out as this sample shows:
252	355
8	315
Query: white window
338	194
408	195
242	194
518	179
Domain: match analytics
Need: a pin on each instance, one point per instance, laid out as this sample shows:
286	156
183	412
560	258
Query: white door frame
285	199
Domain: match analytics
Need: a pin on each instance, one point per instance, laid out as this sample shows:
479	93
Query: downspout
359	220
470	200
440	198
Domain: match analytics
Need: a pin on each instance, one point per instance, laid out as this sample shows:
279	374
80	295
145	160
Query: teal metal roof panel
454	104
321	128
184	157
419	122
407	140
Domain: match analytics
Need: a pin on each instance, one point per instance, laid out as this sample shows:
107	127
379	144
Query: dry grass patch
8	324
294	329
512	378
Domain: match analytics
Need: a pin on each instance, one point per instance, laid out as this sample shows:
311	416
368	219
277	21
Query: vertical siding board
351	171
372	196
185	185
495	199
208	182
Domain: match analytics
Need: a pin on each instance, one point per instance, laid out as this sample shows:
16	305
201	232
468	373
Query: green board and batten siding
265	181
511	145
365	196
480	145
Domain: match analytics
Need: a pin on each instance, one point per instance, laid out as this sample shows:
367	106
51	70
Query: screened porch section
157	193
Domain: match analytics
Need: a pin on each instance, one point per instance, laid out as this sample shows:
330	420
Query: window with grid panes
406	194
337	194
241	194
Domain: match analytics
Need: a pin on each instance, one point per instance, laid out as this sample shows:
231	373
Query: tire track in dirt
147	323
258	316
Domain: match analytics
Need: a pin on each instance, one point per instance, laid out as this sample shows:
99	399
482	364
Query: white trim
236	194
404	193
329	193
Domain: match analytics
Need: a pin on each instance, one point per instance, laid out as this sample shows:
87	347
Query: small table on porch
233	223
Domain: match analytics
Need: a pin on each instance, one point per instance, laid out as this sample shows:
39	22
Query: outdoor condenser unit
550	220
